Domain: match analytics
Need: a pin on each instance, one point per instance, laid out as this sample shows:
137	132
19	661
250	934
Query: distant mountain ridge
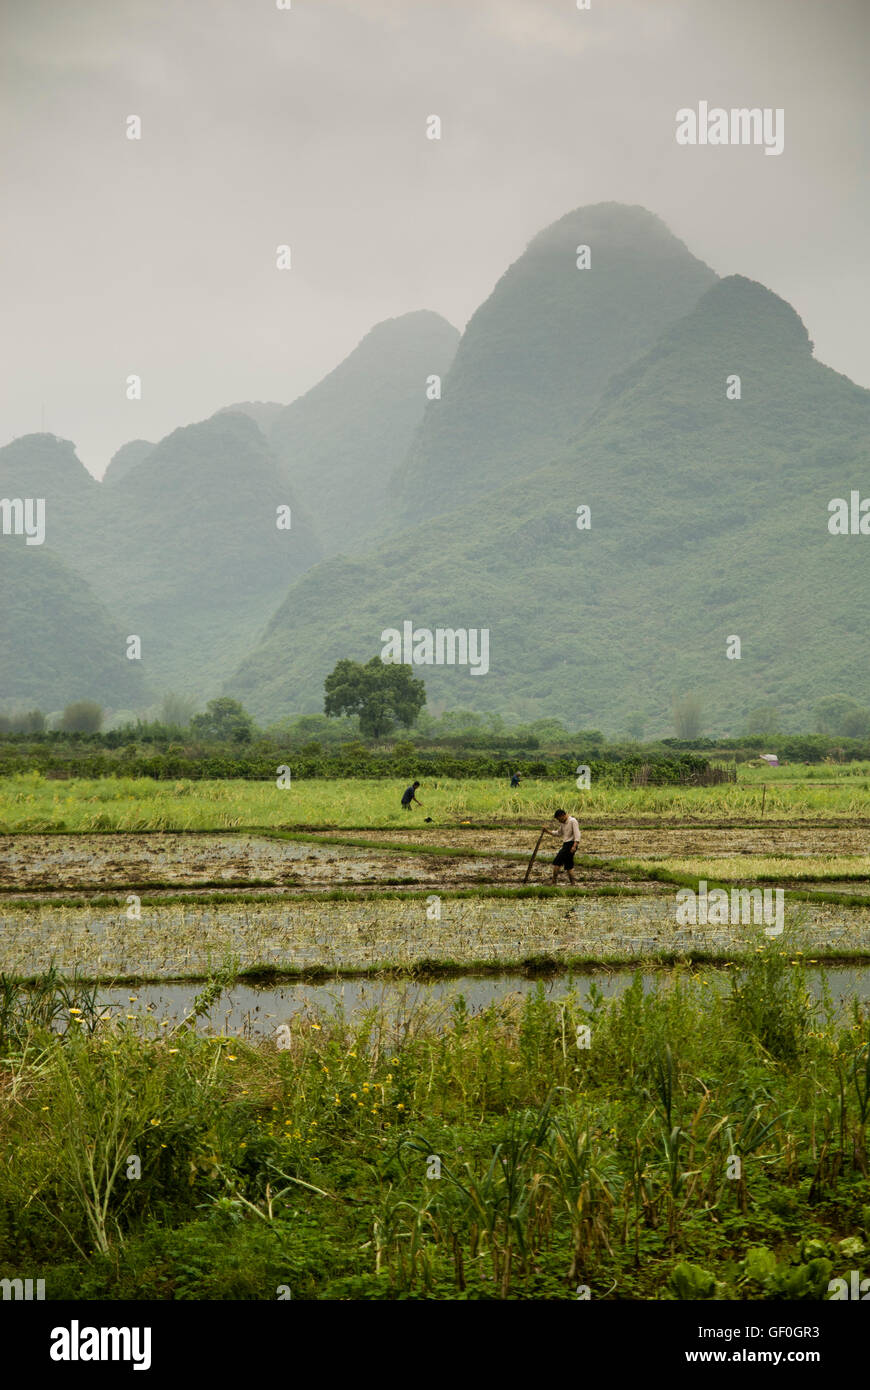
342	442
685	411
708	521
198	559
539	351
58	642
263	413
127	457
182	544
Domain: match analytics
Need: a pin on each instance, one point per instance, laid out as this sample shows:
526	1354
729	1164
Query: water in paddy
256	1011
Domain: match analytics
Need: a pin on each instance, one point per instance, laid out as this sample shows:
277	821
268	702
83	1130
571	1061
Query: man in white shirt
570	844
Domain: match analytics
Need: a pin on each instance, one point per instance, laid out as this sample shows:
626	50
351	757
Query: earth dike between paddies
425	933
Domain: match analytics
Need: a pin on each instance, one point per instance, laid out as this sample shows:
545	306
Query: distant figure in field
408	796
515	780
570	831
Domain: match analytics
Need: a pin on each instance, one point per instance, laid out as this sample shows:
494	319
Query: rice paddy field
356	1056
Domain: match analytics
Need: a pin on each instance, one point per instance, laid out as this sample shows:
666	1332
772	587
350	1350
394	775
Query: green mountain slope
57	642
537	354
342	441
263	413
42	466
194	553
128	456
709	520
180	542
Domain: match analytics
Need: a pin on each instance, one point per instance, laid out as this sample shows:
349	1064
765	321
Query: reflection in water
256	1011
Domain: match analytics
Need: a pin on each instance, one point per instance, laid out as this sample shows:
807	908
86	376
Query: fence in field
688	776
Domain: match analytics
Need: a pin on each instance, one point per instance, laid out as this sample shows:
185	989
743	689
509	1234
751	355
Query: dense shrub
352	761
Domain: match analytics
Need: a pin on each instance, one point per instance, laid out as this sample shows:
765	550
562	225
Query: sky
307	127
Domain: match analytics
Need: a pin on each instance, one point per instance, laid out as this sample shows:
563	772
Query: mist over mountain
58	642
191	543
181	548
708	520
46	469
197	558
44	466
127	457
686	412
537	354
342	442
263	413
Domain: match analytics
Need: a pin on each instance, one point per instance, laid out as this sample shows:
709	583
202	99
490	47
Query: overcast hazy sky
307	127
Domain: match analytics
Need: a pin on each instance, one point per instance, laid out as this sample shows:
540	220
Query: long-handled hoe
534	855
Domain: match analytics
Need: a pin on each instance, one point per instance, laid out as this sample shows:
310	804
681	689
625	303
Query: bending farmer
408	796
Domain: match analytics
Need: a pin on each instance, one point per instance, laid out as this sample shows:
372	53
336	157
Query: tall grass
30	802
701	1141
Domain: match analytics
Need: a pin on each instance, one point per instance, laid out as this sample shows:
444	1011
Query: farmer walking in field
570	831
408	796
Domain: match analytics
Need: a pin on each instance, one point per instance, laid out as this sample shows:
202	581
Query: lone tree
764	720
224	721
82	717
635	723
176	710
382	694
840	714
687	717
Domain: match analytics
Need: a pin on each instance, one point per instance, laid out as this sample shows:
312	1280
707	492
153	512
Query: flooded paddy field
257	1011
193	938
169	905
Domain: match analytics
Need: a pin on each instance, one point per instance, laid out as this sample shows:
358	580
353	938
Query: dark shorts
565	857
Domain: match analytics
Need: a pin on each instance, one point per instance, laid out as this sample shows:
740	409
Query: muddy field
102	863
289	929
644	842
47	862
57	863
193	939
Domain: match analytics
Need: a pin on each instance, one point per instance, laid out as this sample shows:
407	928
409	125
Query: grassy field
686	1143
30	802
